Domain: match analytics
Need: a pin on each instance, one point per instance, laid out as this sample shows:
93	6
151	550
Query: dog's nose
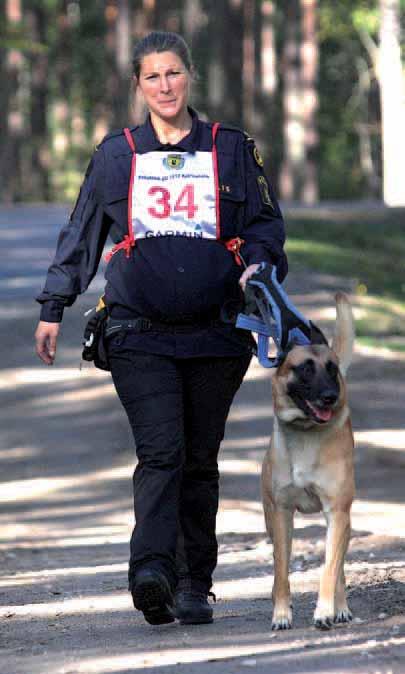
329	397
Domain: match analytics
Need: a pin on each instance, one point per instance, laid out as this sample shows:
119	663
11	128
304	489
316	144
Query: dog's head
308	385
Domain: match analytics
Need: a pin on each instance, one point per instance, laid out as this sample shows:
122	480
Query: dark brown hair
159	41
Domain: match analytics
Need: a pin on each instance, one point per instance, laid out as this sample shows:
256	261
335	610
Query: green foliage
90	66
367	248
342	105
83	76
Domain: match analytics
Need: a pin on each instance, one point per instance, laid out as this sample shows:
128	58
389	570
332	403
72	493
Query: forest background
306	78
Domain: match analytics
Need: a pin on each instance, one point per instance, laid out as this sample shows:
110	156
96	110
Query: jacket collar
147	141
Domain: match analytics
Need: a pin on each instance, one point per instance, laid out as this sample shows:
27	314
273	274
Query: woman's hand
45	337
247	274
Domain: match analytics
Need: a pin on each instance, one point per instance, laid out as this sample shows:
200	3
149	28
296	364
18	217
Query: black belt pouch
94	340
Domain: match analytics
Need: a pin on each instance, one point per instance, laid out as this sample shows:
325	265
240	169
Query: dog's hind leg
331	585
280	528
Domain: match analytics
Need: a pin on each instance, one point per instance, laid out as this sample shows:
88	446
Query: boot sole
191	619
154	600
195	621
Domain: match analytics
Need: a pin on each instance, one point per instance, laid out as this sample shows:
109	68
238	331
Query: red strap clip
234	245
127	243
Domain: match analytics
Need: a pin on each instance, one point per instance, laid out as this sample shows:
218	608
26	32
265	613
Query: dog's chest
303	460
297	482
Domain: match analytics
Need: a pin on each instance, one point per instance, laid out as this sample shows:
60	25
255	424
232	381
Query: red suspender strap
129	240
129	138
131	144
216	178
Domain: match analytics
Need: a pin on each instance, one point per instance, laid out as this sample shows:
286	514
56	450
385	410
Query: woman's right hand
46	336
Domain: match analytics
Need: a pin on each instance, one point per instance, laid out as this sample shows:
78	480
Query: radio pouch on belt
93	343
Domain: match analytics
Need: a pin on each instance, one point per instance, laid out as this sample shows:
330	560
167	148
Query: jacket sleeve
79	247
263	230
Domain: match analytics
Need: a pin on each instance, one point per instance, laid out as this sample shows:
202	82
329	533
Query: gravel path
66	509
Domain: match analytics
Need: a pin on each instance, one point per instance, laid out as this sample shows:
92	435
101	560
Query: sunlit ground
66	515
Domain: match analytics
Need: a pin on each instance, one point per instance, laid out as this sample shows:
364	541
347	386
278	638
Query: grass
367	247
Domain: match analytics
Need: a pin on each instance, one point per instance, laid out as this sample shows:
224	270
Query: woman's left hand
247	274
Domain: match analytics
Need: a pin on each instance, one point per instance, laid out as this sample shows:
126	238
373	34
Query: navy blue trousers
177	409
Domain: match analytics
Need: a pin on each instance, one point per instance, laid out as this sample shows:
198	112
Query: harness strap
215	128
264	332
128	241
234	245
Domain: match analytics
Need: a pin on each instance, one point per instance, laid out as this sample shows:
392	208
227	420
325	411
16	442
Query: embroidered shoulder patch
258	157
264	191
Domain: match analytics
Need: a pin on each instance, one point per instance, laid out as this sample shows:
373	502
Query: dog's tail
343	338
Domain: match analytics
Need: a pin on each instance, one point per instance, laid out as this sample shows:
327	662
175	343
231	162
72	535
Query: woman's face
164	81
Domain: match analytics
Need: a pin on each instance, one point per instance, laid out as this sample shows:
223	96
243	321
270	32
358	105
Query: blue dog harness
270	313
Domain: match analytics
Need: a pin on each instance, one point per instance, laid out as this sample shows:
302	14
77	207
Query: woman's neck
174	130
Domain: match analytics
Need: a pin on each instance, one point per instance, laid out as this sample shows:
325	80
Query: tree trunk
118	46
293	125
392	88
300	102
268	49
249	71
40	157
13	96
309	98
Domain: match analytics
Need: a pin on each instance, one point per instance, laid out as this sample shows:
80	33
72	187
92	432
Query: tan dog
309	466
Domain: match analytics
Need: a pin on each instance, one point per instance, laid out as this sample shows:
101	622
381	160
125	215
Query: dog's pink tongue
324	415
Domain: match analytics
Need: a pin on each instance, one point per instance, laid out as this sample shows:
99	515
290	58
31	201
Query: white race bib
173	194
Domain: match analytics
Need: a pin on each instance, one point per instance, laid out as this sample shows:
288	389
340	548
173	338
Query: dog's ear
317	336
343	338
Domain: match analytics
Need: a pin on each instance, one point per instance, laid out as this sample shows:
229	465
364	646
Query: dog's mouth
321	414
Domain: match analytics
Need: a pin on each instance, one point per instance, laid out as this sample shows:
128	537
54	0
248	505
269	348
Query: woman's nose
164	84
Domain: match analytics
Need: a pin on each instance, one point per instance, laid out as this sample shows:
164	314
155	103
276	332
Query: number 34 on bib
165	203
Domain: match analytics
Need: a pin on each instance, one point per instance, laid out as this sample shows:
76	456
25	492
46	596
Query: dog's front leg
332	577
280	528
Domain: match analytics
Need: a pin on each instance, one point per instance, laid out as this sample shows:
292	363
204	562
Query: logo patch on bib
174	161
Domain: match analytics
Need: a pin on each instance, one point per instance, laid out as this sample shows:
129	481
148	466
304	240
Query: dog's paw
344	615
323	619
282	619
323	623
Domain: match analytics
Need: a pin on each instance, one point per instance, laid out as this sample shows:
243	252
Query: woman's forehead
157	61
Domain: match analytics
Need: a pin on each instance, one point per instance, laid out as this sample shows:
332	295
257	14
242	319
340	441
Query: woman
181	198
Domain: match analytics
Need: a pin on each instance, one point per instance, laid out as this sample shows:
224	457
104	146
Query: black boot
152	595
191	606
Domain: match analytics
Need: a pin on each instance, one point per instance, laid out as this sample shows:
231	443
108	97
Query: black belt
141	324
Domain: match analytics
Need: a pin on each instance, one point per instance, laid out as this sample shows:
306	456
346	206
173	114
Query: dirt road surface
67	459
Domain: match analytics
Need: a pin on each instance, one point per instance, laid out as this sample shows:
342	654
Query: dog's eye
305	370
332	369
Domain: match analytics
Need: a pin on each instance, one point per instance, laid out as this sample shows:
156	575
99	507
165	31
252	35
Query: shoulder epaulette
230	127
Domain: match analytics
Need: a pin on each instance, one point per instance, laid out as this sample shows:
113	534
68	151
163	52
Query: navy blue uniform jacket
170	279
